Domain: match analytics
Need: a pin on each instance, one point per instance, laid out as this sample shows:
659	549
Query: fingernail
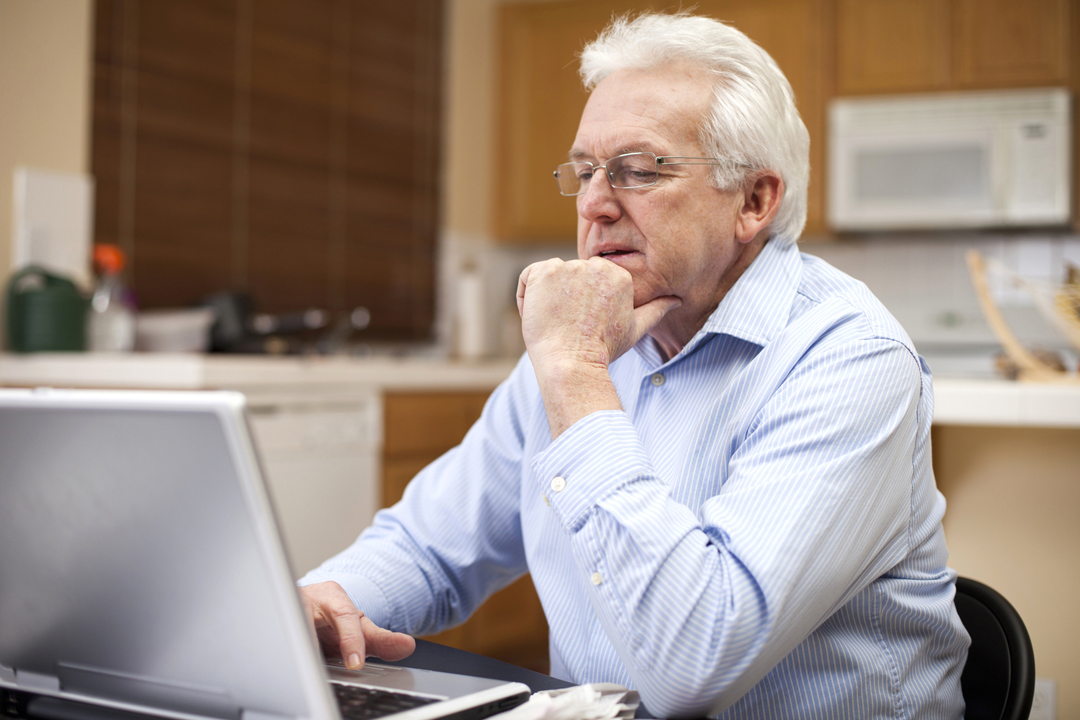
353	662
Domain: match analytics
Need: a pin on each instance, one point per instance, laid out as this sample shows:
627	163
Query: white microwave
951	160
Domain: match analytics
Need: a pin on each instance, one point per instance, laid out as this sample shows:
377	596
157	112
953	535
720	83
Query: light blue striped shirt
757	533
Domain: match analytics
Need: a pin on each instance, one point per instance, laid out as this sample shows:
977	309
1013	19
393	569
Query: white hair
752	125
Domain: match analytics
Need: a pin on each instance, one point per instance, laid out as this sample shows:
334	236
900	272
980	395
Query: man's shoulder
833	293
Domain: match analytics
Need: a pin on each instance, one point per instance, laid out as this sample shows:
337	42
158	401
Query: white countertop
963	401
958	401
194	372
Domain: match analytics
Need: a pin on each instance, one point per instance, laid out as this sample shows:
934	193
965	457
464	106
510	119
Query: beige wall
1013	522
469	110
45	76
469	113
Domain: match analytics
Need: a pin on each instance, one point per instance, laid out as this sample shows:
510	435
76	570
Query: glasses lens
633	170
573	177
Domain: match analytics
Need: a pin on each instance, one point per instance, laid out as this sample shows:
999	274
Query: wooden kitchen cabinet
896	46
418	427
826	48
1011	43
885	46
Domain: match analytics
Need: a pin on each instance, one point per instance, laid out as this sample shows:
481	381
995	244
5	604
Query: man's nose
600	201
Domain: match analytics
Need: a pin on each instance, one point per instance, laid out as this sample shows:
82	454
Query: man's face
675	237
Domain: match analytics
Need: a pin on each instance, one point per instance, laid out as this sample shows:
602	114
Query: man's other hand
343	630
583	311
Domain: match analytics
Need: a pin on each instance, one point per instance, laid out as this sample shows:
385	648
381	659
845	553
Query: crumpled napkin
595	701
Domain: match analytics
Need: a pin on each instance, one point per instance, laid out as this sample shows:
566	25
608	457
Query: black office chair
999	678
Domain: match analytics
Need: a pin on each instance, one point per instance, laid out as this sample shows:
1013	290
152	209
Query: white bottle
471	340
111	321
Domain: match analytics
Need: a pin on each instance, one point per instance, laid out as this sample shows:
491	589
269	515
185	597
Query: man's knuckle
343	609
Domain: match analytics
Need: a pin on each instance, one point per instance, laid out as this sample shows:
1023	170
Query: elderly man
715	457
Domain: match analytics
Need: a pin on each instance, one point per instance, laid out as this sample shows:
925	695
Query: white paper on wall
53	222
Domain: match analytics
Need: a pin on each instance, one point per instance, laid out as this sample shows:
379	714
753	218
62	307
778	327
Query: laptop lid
141	568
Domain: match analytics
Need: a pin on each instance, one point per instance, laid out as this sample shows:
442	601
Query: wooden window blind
285	149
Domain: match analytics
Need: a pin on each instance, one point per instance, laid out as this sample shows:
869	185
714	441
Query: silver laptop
141	571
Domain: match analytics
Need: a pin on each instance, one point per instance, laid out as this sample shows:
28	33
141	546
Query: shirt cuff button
558	484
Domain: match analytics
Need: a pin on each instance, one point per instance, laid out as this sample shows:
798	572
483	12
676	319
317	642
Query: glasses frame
660	160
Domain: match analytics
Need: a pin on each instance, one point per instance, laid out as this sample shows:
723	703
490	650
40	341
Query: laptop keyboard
363	703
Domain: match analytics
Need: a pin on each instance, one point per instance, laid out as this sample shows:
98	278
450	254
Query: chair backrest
999	677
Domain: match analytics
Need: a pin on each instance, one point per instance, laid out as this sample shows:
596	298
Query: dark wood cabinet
289	150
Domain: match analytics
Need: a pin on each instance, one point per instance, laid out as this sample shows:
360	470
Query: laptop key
363	703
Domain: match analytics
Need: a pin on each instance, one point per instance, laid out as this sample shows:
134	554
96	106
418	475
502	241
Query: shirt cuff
596	456
365	595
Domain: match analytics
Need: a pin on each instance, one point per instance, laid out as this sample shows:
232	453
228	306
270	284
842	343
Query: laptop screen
139	560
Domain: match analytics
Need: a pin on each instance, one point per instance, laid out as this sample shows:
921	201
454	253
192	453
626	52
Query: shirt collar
756	308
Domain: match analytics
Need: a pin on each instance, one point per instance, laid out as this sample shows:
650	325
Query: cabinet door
428	423
1009	43
541	97
892	46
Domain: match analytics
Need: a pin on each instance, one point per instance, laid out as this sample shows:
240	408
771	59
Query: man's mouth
611	253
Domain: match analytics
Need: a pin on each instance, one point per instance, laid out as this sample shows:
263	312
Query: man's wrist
573	389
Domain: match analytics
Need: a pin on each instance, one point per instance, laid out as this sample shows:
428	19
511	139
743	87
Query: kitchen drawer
426	423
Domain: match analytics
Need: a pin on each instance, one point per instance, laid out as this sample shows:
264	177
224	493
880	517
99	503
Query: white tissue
597	701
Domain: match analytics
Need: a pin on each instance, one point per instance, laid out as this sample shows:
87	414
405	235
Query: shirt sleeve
454	538
814	506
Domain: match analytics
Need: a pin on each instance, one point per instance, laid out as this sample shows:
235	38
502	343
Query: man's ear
761	202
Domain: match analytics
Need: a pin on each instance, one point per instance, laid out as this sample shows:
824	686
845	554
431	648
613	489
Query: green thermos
46	312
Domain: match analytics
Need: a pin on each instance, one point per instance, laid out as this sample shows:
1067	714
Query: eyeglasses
632	170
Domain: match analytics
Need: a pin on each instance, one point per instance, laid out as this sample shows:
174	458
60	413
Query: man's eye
585	174
632	177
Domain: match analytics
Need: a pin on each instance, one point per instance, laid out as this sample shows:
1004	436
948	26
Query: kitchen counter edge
958	401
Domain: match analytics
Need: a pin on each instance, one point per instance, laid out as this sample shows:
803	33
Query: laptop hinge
7	675
37	681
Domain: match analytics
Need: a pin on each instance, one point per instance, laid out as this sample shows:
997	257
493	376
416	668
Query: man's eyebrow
578	155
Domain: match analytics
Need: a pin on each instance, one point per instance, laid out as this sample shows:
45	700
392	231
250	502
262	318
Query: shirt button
596	579
558	484
546	501
658	379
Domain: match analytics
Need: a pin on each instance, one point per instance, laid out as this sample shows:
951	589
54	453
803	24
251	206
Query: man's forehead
658	110
615	140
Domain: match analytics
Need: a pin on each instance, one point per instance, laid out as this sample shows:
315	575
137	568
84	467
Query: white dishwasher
320	452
